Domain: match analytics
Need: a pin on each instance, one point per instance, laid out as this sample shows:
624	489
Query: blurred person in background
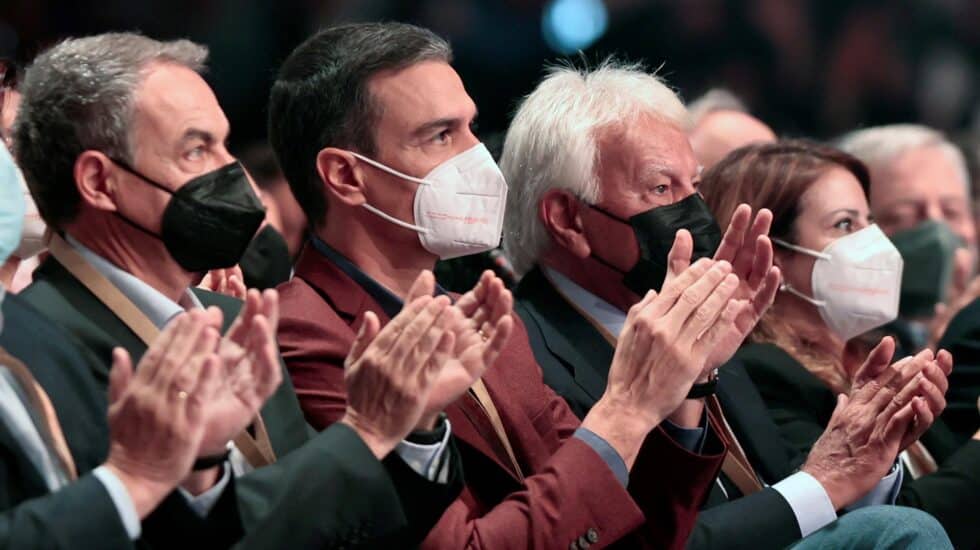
15	272
721	123
841	278
268	260
920	197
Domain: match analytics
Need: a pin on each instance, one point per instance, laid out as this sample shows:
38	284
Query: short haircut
77	96
321	99
552	141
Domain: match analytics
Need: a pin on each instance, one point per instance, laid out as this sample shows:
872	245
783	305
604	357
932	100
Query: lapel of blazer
351	302
566	333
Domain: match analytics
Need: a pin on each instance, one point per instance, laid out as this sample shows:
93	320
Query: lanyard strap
486	403
257	450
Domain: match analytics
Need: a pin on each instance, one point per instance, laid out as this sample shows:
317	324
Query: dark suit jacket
575	360
962	339
305	479
801	405
29	516
568	490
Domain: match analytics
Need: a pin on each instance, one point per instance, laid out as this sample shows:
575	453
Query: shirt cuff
809	501
427	459
607	453
120	497
692	439
202	503
885	492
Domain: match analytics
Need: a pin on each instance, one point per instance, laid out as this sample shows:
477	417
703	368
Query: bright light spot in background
573	25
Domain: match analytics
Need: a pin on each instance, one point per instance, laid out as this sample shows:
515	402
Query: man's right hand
157	416
661	351
889	407
390	372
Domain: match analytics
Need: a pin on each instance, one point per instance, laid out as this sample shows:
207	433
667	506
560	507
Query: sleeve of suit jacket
962	339
79	512
760	520
802	407
333	492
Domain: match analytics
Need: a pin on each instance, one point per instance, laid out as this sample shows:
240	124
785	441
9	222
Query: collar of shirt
157	307
390	303
609	316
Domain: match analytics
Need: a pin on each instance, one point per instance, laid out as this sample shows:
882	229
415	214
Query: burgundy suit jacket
569	493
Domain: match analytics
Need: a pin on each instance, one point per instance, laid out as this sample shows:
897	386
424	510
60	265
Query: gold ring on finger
182	395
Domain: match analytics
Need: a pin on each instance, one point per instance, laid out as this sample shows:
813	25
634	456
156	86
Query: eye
196	153
443	137
661	189
844	224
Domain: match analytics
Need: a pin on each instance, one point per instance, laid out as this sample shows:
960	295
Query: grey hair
79	95
715	99
551	143
879	146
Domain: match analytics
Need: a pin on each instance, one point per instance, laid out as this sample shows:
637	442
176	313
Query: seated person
841	278
592	241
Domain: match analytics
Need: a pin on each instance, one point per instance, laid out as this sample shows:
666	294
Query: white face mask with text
856	281
459	205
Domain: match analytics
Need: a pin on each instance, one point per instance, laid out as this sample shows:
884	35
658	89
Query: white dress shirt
806	497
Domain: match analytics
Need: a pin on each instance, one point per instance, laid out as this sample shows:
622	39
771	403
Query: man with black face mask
122	144
602	212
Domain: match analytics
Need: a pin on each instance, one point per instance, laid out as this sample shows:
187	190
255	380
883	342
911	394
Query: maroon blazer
569	495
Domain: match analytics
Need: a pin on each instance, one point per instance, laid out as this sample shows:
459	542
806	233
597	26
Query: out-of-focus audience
210	351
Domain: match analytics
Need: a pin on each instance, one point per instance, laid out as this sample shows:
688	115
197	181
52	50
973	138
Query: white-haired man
602	177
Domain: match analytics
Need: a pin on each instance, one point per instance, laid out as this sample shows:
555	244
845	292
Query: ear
561	214
341	175
97	179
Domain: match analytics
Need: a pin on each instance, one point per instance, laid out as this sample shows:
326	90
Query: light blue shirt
806	497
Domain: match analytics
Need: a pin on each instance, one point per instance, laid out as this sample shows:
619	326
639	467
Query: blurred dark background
814	67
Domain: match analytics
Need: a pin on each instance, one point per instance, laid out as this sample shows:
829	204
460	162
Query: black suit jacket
305	496
962	339
83	510
801	405
575	360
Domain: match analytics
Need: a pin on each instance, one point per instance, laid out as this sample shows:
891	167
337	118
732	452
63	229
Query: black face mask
210	220
266	262
655	230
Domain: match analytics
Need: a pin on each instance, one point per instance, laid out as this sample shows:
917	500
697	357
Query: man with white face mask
373	130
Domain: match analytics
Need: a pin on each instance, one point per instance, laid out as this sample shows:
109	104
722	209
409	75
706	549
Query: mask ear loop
397	174
786	287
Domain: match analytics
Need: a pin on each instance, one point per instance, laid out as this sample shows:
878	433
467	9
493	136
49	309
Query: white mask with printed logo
856	281
459	205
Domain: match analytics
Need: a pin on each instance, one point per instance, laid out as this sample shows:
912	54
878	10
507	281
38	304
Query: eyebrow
447	122
849	211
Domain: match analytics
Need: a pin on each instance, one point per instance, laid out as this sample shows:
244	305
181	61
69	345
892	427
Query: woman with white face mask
841	279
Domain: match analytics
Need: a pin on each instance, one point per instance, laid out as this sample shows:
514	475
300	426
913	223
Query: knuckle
691	297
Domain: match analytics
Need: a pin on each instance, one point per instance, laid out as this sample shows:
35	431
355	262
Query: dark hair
320	97
773	176
260	161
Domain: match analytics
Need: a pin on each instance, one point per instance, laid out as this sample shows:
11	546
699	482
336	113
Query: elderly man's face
179	132
426	118
920	185
645	165
11	101
721	132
